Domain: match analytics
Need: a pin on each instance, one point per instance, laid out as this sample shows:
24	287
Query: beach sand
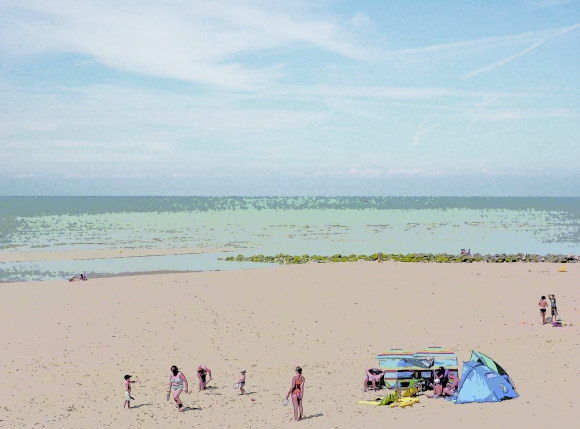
70	255
66	346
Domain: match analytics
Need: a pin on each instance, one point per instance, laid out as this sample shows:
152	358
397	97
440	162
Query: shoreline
88	254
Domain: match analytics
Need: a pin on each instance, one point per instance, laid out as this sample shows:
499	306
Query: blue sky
250	97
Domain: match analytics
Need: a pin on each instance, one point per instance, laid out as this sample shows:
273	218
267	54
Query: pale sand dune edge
66	346
68	255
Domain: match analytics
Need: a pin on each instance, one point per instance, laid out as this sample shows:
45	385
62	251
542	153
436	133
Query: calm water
273	225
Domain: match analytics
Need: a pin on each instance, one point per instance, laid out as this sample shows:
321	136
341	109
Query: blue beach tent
480	383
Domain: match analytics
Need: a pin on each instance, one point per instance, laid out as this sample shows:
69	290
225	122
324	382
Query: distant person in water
202	372
297	392
543	304
553	308
177	383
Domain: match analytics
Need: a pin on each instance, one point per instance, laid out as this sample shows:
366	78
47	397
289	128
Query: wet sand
66	346
70	255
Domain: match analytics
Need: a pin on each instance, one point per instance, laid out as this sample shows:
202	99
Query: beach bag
556	325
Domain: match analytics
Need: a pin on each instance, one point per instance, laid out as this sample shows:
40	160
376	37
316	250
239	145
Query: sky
252	97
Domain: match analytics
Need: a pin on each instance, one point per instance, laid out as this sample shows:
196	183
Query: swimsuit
296	390
176	382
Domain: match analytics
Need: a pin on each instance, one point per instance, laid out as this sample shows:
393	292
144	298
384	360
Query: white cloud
194	41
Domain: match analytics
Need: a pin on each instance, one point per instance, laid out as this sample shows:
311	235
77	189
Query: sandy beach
66	346
87	254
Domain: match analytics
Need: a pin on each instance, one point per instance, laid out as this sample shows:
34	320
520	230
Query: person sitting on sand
297	392
374	376
554	309
177	382
441	382
543	304
452	386
202	372
73	279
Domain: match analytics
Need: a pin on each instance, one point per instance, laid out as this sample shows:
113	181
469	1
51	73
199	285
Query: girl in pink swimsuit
177	381
297	392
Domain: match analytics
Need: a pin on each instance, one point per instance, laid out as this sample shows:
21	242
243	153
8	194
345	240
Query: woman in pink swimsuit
297	392
177	382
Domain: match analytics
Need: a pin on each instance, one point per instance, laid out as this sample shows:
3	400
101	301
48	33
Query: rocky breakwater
439	258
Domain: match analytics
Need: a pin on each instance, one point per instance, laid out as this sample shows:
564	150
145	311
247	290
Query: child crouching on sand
128	396
242	381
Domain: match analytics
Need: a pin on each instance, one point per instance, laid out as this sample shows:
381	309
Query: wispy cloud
194	41
519	54
515	114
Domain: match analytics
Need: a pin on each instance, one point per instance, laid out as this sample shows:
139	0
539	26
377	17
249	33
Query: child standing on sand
554	308
242	381
543	304
128	396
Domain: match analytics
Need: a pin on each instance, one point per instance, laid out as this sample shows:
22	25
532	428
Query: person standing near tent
543	304
554	308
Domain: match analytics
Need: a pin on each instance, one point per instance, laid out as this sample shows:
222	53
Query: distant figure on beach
441	381
242	381
128	396
374	376
553	307
379	255
297	392
83	278
177	382
452	385
543	304
73	279
202	372
463	252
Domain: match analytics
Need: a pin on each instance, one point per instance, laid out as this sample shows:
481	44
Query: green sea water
271	225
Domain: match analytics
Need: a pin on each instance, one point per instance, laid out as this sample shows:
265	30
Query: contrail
525	51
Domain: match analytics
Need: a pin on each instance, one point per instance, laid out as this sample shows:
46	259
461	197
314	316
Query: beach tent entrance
490	363
480	383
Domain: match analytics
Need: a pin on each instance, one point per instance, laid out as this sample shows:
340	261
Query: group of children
178	383
543	308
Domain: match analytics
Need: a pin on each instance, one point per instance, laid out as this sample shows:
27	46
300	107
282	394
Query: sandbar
69	255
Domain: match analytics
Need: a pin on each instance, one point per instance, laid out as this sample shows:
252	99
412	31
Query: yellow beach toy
562	269
404	402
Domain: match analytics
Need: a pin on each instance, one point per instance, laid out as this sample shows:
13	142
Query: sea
273	225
